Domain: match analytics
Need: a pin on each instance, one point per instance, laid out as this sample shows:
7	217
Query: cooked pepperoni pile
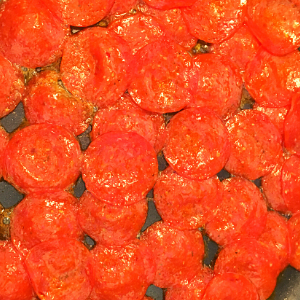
199	86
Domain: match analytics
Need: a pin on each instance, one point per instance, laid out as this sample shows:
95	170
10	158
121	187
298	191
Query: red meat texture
3	143
167	4
294	232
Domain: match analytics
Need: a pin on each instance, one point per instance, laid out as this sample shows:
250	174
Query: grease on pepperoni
294	232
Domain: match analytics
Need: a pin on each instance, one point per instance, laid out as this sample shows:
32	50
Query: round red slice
276	236
275	23
11	86
184	203
43	216
230	286
122	273
30	34
242	212
60	269
95	66
163	78
219	85
178	254
3	143
42	156
255	144
252	259
167	4
213	21
120	168
197	145
14	280
111	225
191	289
294	231
48	102
121	7
272	80
137	30
80	12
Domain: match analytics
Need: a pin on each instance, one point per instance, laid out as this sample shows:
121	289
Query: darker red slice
167	4
242	212
184	203
197	145
120	168
42	156
255	144
178	254
3	143
163	78
61	269
294	231
44	216
14	280
111	225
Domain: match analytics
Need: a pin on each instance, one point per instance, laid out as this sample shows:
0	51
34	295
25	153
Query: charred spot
202	47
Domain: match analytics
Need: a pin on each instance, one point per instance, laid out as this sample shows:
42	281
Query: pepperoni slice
121	7
191	289
80	13
167	4
42	156
11	86
242	212
43	216
120	168
240	48
48	102
174	263
230	286
172	23
111	225
197	145
163	78
290	183
184	203
60	269
219	85
137	30
95	66
255	144
122	273
276	24
3	143
214	21
294	231
272	80
30	35
276	236
252	259
14	280
125	102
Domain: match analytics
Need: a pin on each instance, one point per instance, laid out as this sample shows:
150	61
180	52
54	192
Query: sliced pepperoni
60	269
290	183
163	80
43	216
125	102
214	21
48	102
178	254
121	8
276	236
252	259
219	85
137	30
42	156
95	66
191	289
272	80
276	24
255	144
184	203
197	145
80	13
3	143
30	35
242	212
11	86
111	225
120	168
172	22
167	4
14	280
122	273
230	286
240	48
294	232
